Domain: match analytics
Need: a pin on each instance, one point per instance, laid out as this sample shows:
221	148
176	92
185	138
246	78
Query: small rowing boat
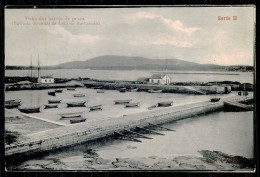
12	105
214	99
54	101
71	115
13	101
71	89
155	91
165	104
78	120
94	108
133	90
58	90
123	90
152	107
100	87
29	109
47	106
79	95
52	93
122	101
131	105
76	104
100	91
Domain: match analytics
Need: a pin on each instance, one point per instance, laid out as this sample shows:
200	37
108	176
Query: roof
46	77
157	76
142	79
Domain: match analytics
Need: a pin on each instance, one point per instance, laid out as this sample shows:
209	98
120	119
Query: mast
31	66
38	67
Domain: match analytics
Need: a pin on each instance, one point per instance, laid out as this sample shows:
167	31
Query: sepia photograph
130	89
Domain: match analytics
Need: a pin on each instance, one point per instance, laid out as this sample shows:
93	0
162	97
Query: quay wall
84	132
164	88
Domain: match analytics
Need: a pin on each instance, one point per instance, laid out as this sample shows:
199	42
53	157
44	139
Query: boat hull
51	106
131	105
81	104
74	121
52	93
29	110
122	101
164	104
214	99
54	101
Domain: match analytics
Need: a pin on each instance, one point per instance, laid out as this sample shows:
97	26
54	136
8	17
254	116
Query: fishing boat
79	95
165	104
18	101
12	105
152	107
71	89
100	87
47	106
214	99
76	104
52	93
130	105
94	108
122	101
71	115
155	91
133	90
54	101
58	90
78	120
123	90
100	91
29	109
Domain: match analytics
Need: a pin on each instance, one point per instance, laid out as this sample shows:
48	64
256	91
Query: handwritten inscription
53	20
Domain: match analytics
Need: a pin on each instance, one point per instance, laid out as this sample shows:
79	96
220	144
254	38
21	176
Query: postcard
145	88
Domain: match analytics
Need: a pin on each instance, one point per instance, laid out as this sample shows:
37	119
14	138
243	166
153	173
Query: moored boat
165	104
214	99
54	101
79	95
76	104
130	105
52	93
71	115
58	90
71	89
99	87
152	107
77	120
133	90
155	91
29	109
97	107
12	105
122	101
123	90
100	91
47	106
18	101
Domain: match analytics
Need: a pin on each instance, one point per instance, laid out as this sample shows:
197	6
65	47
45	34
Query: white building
46	80
159	79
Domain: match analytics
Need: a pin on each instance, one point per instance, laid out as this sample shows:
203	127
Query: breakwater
164	88
83	132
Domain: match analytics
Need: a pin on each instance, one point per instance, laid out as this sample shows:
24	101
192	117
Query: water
135	74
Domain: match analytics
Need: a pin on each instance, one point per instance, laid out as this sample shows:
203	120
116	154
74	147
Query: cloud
65	35
172	42
175	25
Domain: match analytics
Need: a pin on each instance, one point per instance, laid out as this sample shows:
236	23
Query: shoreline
90	161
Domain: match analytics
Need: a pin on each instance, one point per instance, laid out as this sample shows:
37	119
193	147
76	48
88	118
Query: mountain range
111	62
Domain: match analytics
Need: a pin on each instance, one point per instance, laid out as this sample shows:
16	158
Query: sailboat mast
31	66
38	67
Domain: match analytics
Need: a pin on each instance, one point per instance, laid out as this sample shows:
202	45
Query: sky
193	34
